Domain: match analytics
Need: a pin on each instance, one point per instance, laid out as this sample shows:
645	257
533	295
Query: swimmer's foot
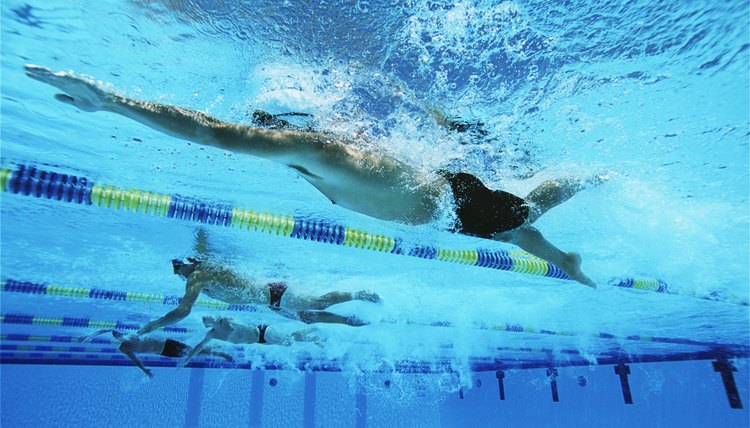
80	92
313	317
572	267
598	178
367	296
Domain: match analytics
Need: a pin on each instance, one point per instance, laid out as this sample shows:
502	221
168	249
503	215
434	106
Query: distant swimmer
370	183
228	330
150	345
222	283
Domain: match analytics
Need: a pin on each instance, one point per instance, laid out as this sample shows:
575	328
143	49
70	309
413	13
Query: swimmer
228	330
164	347
222	283
370	183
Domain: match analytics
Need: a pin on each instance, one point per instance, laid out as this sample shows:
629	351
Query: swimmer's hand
80	92
366	296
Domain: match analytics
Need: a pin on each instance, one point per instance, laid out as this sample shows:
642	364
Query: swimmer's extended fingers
81	92
44	74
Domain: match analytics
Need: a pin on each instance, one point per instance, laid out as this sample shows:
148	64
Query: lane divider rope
30	181
26	319
26	287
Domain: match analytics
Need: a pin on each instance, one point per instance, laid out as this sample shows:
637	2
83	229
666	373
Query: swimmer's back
228	286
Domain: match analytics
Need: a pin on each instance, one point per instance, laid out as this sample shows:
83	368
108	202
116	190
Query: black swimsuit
276	290
481	211
262	333
174	349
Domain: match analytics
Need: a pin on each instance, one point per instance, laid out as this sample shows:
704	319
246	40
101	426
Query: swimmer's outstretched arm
201	243
307	335
89	337
192	291
283	146
198	348
214	353
127	349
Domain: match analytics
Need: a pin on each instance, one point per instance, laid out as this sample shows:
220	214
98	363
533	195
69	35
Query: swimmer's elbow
181	312
236	138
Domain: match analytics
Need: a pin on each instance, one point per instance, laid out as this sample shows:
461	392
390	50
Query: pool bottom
674	394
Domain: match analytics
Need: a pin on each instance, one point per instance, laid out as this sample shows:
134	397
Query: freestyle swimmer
228	330
373	184
150	345
222	283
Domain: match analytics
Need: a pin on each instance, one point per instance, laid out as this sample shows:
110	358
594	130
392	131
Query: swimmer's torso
225	329
227	286
374	184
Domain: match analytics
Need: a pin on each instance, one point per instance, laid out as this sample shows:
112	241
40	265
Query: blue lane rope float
30	181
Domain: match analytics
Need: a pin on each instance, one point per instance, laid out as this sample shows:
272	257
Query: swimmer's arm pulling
89	337
126	348
192	291
198	348
179	122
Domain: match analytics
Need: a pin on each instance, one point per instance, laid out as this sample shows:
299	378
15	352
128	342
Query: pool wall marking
30	181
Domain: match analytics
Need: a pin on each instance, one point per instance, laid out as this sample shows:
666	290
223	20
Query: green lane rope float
30	181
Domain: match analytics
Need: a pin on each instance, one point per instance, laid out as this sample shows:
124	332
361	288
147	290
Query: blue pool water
653	97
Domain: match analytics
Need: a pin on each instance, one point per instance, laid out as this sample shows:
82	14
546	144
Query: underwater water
651	98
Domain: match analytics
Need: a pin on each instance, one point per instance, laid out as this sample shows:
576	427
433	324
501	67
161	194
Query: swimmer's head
262	118
220	324
208	321
183	269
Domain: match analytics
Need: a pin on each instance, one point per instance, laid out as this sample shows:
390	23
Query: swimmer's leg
215	353
552	193
295	302
312	317
531	240
335	297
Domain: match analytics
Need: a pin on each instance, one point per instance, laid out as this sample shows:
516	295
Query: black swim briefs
276	290
262	333
481	211
174	349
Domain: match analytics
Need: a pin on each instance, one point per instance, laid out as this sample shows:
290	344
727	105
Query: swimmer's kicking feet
370	183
